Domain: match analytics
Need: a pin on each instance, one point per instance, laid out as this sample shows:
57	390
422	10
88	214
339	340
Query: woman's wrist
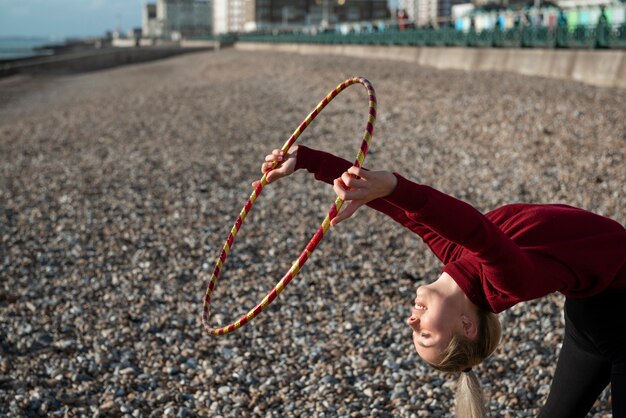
391	182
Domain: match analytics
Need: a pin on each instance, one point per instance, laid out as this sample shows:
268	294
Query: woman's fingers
271	176
354	187
350	180
346	193
276	155
274	175
283	165
358	171
340	188
268	165
353	196
347	212
271	158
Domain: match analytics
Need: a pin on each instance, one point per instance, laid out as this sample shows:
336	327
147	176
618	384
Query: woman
512	254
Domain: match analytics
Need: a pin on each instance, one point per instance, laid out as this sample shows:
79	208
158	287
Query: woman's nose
414	322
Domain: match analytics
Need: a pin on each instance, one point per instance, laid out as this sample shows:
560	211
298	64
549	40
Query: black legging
593	355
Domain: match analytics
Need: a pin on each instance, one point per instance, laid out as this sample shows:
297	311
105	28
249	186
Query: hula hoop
310	247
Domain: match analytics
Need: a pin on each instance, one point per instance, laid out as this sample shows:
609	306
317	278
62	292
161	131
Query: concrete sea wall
596	67
96	59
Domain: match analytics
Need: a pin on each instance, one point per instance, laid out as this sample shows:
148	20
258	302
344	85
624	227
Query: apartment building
229	16
174	18
293	14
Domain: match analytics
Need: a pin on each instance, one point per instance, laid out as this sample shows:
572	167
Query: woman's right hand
285	167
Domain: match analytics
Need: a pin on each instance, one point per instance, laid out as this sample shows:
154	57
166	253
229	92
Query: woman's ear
469	327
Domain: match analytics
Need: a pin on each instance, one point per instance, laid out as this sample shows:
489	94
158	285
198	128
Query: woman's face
434	319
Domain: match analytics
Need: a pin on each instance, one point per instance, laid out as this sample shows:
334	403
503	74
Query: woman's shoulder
552	217
540	210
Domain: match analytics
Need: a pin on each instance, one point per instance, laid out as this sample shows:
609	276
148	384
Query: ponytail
469	397
461	355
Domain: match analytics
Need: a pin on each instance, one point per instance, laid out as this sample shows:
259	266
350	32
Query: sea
23	47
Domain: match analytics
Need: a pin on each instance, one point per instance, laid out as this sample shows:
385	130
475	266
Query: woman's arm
468	242
328	168
448	225
432	214
503	263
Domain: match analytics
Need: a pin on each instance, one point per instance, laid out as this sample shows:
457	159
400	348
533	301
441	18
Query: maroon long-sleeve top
514	253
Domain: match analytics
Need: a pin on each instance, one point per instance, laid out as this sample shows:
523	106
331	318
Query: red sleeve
327	167
506	266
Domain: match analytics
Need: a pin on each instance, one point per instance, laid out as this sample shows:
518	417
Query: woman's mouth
419	306
417	309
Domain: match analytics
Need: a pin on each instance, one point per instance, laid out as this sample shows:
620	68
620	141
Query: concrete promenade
595	67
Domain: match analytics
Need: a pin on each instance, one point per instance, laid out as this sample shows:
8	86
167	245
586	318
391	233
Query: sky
70	18
67	18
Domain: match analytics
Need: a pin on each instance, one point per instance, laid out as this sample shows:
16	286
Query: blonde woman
491	262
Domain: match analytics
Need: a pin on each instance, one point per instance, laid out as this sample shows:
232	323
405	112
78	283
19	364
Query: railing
601	36
223	39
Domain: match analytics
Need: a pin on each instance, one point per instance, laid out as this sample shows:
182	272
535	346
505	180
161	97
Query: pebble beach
118	189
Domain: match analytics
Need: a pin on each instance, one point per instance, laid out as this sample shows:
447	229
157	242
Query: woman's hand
285	167
359	186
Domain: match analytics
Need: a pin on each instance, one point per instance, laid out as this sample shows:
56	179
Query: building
297	14
354	11
185	17
444	11
418	12
149	26
410	8
175	18
426	11
275	13
229	16
432	12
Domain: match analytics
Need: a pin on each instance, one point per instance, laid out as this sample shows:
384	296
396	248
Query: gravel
118	189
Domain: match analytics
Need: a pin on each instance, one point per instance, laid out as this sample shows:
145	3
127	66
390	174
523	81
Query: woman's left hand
358	187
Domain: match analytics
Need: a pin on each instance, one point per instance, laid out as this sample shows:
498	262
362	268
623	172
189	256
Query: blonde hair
462	354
